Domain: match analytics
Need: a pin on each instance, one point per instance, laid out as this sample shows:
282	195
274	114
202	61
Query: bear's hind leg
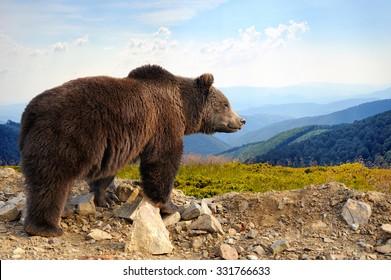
44	207
104	197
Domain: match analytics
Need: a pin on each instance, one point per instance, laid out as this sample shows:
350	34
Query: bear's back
152	73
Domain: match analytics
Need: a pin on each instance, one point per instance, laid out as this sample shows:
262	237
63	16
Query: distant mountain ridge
345	116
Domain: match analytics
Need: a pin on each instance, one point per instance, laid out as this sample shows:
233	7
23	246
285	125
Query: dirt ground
308	219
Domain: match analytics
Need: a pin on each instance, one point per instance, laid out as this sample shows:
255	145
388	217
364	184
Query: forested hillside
9	154
368	141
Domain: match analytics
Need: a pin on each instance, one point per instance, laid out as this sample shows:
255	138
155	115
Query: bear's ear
205	80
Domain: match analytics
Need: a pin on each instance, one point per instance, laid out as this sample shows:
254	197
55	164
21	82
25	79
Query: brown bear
90	128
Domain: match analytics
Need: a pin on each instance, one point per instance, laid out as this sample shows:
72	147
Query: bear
90	128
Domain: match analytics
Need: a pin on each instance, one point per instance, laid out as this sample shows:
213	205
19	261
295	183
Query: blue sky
257	43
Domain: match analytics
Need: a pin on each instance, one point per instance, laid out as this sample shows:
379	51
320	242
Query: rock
185	225
386	228
227	252
86	209
328	240
193	211
252	257
355	226
280	246
335	257
252	233
197	243
97	234
8	192
133	196
127	210
232	232
19	201
148	234
18	251
318	225
230	241
123	192
85	204
356	212
208	223
384	249
205	207
9	212
172	219
260	251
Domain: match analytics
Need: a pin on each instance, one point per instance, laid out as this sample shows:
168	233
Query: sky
263	43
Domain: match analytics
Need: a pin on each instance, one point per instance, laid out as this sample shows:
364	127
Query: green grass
208	180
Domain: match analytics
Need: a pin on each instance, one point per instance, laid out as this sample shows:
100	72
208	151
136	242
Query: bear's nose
243	121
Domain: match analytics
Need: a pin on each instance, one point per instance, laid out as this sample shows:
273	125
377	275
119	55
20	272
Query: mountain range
367	140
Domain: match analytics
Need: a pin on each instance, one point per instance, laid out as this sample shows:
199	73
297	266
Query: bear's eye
226	106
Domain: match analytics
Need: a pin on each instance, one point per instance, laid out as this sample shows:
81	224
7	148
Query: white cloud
150	49
82	41
60	47
252	44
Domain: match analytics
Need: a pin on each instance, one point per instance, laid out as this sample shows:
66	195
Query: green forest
367	141
9	154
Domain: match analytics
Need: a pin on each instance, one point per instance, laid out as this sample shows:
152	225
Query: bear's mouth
234	128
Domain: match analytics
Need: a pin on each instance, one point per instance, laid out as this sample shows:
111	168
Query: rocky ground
327	221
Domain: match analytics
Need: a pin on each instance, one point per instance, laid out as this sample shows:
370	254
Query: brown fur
90	128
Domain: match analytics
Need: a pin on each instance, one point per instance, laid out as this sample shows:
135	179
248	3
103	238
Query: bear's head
217	114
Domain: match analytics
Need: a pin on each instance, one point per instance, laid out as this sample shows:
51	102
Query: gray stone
227	252
148	234
97	234
208	223
280	246
19	201
84	204
356	212
252	257
205	207
172	219
127	210
386	228
384	249
9	212
193	211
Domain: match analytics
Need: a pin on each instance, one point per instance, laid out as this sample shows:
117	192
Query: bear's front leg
158	177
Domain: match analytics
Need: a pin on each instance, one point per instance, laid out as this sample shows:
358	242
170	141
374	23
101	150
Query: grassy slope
209	180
